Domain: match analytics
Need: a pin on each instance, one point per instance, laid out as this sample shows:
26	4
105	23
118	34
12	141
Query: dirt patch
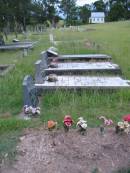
41	151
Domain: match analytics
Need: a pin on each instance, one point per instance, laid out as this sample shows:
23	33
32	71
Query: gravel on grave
40	151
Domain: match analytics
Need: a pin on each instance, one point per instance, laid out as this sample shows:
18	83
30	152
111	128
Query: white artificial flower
84	126
121	125
33	110
82	123
38	112
126	130
126	124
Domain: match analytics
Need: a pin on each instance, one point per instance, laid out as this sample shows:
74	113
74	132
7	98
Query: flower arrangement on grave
127	118
81	125
51	125
68	121
123	126
52	78
106	122
29	110
54	63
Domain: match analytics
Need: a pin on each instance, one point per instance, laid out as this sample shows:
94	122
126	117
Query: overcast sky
82	2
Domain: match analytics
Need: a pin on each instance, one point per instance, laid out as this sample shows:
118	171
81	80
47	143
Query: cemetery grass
109	38
11	101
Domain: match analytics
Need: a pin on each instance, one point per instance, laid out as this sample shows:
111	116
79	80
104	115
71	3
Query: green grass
10	130
8	145
89	104
109	38
11	99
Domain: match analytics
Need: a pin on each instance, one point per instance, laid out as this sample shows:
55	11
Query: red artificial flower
127	118
68	120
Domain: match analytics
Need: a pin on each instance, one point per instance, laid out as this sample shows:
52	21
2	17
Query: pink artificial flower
108	122
127	118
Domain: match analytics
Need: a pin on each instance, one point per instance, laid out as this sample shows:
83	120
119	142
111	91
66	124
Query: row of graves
74	72
16	45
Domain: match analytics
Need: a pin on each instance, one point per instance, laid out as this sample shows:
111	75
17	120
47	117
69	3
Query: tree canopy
16	14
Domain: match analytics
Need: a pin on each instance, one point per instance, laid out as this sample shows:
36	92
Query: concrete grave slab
83	57
85	82
16	46
81	67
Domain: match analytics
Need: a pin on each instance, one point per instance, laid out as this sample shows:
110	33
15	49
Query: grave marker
39	73
30	94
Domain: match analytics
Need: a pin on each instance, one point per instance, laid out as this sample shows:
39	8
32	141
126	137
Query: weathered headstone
30	94
40	73
52	52
44	58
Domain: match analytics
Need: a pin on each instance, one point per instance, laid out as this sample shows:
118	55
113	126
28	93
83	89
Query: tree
117	12
99	6
84	13
45	10
12	12
68	7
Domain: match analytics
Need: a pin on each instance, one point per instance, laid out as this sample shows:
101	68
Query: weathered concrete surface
85	82
86	56
24	42
16	46
78	67
83	57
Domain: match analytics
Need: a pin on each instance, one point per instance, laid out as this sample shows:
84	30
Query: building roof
97	14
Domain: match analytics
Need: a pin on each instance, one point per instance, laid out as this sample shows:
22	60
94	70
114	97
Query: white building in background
97	17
